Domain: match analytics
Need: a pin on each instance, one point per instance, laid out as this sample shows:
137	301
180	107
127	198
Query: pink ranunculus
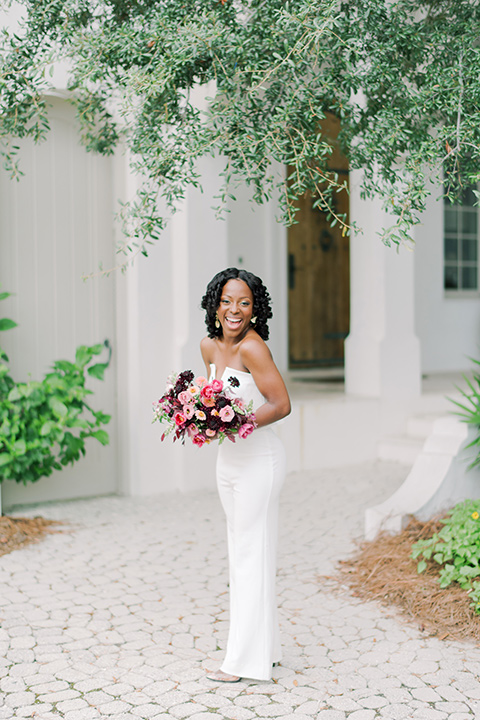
200	381
227	413
185	397
210	433
217	386
245	430
199	440
206	392
189	411
192	430
179	418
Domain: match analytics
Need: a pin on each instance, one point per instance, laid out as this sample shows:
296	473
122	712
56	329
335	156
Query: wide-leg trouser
250	474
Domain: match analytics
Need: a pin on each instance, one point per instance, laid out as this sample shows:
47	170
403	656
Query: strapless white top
247	390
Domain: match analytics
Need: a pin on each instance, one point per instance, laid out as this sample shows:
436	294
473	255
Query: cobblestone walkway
121	616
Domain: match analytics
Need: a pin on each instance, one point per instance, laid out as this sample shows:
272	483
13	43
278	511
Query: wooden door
318	275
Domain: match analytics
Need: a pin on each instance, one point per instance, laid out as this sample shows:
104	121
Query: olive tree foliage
401	75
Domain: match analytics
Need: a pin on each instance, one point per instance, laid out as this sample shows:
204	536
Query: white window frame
461	211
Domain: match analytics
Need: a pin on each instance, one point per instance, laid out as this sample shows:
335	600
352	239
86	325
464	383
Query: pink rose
217	386
245	430
209	402
226	413
179	419
198	440
206	392
200	381
185	397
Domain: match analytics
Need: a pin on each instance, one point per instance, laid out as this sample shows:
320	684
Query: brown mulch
16	532
383	570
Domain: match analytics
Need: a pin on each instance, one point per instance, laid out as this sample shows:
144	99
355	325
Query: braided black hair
261	300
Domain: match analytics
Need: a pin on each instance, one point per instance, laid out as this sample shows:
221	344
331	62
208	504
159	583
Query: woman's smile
233	322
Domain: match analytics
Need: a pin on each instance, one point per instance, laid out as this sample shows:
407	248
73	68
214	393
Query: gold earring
253	320
217	321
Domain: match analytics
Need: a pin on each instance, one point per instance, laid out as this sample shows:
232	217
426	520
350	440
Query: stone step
420	426
401	448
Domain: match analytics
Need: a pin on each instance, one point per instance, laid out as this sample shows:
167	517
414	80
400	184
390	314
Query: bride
251	471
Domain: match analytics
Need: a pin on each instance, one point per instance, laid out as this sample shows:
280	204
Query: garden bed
17	532
383	570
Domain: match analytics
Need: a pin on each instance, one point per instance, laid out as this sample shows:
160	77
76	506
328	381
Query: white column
160	325
382	353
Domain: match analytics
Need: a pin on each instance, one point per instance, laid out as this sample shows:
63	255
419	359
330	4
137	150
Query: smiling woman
250	473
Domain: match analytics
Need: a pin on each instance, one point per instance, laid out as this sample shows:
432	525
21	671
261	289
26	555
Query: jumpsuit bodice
247	390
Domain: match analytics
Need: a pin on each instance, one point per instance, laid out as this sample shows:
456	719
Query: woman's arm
257	358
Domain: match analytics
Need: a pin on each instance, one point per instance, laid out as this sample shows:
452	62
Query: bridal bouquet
202	410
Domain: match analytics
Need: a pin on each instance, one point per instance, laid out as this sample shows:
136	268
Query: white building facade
57	224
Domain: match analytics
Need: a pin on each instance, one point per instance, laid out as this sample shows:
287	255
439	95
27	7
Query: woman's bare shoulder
207	345
254	349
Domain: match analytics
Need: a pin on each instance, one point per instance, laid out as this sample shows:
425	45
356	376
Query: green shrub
456	548
470	409
44	424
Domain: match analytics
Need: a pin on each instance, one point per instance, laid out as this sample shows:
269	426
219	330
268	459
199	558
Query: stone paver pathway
121	617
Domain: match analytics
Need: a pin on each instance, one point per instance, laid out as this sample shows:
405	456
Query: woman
251	471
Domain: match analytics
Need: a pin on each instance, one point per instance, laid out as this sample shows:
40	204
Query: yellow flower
475	515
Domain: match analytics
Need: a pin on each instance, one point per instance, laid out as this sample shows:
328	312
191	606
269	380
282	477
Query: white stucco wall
448	327
56	226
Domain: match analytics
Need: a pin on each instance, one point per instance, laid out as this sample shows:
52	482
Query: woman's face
236	308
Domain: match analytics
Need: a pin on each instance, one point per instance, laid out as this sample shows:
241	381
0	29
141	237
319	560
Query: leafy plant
456	548
44	424
470	409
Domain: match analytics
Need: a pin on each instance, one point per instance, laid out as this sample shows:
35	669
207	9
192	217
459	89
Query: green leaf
14	394
102	418
98	370
421	567
4	459
102	436
64	365
47	428
7	324
20	447
58	407
83	355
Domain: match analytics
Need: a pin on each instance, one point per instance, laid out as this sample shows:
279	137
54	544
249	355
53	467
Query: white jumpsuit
250	474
